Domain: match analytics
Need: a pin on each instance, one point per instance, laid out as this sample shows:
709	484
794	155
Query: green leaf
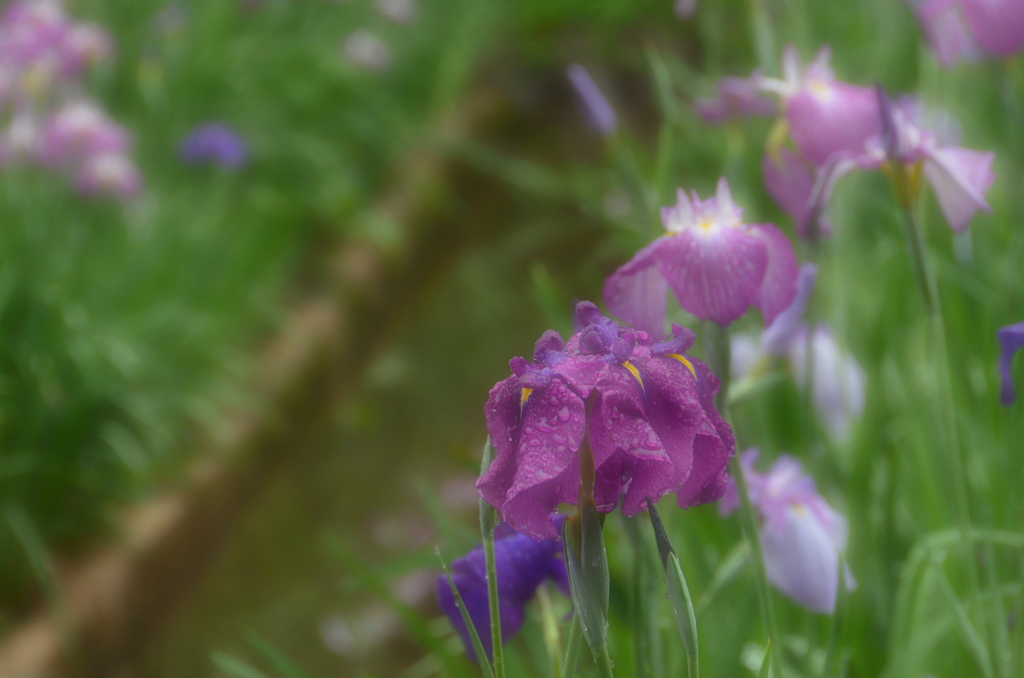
235	667
766	663
587	564
281	664
678	593
833	655
488	519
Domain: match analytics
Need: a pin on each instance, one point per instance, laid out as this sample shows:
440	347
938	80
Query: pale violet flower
967	28
825	115
960	177
838	382
802	537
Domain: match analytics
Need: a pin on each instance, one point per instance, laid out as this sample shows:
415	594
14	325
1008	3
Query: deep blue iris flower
214	143
1011	340
522	563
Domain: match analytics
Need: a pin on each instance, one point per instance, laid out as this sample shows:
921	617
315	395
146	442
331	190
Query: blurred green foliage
122	328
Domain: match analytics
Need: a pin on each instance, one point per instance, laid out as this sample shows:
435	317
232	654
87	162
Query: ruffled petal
713	445
960	178
778	288
828	118
502	415
636	291
536	466
629	458
674	410
716	272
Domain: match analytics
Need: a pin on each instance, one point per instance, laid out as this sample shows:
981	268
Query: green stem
646	648
718	357
604	663
929	288
488	519
572	649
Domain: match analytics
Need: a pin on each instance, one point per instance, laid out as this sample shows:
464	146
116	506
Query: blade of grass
679	594
281	664
552	637
833	655
573	645
478	647
235	667
488	518
766	663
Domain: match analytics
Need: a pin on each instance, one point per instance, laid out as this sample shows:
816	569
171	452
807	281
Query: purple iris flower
945	28
109	174
1011	340
996	25
647	409
821	115
716	265
824	115
960	177
214	143
79	131
964	29
598	113
838	382
735	98
802	537
522	564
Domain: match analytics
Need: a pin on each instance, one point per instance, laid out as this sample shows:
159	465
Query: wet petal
629	457
716	272
636	291
960	178
536	464
778	288
681	407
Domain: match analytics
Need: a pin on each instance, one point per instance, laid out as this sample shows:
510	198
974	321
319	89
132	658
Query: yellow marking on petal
776	139
634	371
684	361
819	88
524	397
706	225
